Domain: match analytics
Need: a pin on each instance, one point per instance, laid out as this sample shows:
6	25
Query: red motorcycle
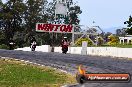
64	45
64	49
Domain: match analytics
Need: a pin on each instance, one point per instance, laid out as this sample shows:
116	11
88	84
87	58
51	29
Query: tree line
18	19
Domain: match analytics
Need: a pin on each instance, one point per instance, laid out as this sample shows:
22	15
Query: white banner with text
57	28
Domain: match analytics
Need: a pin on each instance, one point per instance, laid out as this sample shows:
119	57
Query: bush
100	41
3	46
113	40
79	43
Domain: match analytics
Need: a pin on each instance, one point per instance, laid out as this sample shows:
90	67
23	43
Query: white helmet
65	37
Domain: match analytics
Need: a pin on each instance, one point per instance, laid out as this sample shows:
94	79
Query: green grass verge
118	45
124	46
106	45
19	74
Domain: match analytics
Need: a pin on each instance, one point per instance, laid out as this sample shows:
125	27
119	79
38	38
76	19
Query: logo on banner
58	28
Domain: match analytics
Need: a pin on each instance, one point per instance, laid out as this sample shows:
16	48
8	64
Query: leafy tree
32	14
71	18
37	11
1	24
100	41
18	19
1	5
72	15
129	25
12	17
106	35
74	12
1	11
121	32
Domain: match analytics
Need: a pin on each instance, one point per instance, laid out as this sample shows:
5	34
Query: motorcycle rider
11	44
33	44
64	45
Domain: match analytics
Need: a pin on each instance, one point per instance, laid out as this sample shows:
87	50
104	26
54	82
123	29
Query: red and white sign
58	28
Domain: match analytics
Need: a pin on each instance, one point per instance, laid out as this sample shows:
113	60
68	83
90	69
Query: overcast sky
105	13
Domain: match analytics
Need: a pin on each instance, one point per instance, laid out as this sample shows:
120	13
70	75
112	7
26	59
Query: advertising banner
57	28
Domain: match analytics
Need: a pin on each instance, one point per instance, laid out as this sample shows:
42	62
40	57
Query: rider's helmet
65	38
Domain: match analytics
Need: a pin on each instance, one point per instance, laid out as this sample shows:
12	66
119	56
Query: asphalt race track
69	63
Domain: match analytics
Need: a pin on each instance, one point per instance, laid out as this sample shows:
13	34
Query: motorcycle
64	45
64	49
33	46
11	45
